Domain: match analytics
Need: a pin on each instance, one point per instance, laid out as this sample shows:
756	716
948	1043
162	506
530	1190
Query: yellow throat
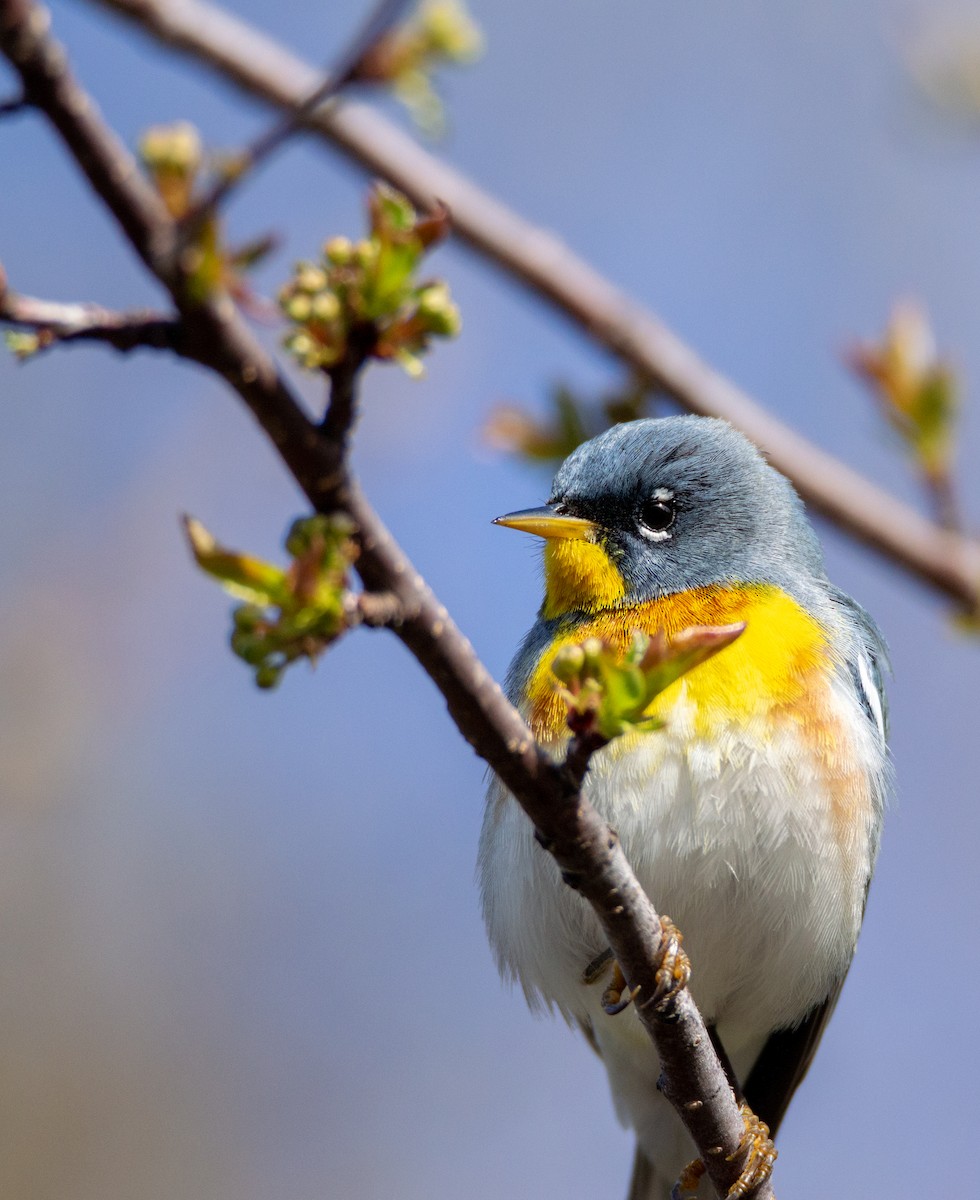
579	576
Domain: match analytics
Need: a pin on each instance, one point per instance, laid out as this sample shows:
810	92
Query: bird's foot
617	995
760	1157
689	1181
760	1154
674	972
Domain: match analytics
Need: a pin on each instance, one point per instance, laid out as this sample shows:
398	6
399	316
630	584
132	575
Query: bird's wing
784	1061
786	1056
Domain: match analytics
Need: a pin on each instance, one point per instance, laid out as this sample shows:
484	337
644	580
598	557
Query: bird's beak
546	522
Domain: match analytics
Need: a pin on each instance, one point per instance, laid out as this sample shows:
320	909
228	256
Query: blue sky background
240	947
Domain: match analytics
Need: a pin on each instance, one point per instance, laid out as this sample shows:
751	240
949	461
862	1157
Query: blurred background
241	954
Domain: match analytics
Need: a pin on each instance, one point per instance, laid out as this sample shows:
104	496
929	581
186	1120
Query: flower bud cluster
611	690
365	293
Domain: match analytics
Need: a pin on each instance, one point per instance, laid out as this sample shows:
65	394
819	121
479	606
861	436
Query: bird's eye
657	514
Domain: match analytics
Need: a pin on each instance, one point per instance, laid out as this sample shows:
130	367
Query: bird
753	816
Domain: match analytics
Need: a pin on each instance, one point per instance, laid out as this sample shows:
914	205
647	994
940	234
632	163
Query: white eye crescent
656	515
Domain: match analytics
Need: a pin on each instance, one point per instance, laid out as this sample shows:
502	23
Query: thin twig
345	71
341	412
587	850
56	323
376	609
538	260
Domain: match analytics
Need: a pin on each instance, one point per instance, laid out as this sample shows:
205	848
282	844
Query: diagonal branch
588	852
345	71
538	260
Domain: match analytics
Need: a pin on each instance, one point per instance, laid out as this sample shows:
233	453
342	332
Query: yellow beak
547	523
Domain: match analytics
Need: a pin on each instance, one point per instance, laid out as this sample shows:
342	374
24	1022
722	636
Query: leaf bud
310	279
247	618
436	308
325	307
568	663
338	251
297	307
253	648
593	651
366	253
268	675
174	147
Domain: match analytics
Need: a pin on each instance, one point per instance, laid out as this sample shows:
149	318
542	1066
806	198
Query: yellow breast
782	655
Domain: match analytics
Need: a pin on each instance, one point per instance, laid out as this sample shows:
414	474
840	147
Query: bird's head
659	506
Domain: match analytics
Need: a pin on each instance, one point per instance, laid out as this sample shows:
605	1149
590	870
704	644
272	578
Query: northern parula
753	816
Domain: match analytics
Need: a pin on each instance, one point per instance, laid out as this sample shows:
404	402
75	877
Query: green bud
301	344
438	311
310	279
298	538
326	307
268	675
253	648
298	307
366	253
172	148
568	663
21	345
339	251
593	651
247	618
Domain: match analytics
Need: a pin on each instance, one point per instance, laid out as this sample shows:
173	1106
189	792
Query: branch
588	852
55	323
538	260
345	71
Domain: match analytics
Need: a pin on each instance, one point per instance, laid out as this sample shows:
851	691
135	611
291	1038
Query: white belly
740	842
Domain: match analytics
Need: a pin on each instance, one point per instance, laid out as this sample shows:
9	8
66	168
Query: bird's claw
674	972
617	995
759	1158
689	1181
760	1154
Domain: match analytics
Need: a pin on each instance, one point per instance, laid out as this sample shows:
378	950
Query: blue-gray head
659	506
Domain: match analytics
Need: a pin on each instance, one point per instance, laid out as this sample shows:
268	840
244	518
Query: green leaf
246	578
